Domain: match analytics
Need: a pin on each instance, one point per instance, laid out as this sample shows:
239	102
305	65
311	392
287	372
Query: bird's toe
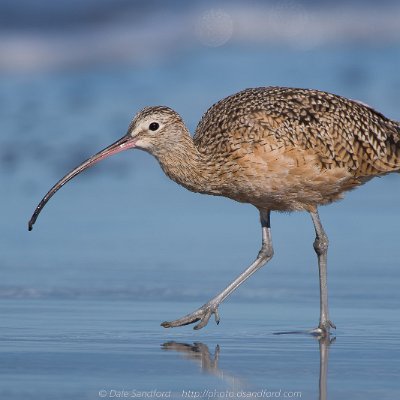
187	320
204	321
203	314
332	325
323	328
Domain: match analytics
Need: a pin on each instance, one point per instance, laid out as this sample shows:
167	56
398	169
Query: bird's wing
342	132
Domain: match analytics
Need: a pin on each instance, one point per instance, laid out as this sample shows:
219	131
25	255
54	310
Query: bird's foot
323	328
202	314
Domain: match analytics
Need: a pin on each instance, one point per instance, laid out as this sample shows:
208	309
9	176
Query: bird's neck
185	165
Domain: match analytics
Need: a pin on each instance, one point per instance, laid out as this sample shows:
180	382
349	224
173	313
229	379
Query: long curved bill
125	143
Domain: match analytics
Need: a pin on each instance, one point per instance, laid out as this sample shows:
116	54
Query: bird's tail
385	157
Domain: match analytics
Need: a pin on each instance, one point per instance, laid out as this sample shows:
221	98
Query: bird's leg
204	313
321	248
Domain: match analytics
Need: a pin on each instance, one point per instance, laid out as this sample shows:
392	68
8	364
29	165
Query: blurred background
73	74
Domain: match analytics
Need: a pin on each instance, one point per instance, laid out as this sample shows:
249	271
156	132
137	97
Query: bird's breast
281	178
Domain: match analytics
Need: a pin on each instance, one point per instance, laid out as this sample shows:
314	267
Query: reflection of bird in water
200	353
279	149
324	342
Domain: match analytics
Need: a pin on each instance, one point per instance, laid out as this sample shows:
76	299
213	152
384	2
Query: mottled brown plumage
277	148
281	148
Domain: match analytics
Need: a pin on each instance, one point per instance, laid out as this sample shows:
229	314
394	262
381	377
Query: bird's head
154	129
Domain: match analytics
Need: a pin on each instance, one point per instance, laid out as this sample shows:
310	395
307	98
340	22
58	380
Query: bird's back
340	132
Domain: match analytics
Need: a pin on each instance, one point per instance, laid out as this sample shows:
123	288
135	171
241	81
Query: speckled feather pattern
343	132
282	149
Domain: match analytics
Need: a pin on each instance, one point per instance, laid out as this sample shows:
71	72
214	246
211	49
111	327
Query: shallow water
79	348
121	248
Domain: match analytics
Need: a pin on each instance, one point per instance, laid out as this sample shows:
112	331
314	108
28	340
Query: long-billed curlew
280	149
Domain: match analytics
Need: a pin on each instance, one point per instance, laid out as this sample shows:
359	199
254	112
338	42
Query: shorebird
277	148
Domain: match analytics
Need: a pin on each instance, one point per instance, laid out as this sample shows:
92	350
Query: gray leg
321	248
204	313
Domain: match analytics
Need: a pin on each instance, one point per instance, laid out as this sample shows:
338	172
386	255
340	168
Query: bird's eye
154	126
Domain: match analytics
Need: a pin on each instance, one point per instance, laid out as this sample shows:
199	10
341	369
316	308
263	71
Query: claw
216	315
323	328
203	314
